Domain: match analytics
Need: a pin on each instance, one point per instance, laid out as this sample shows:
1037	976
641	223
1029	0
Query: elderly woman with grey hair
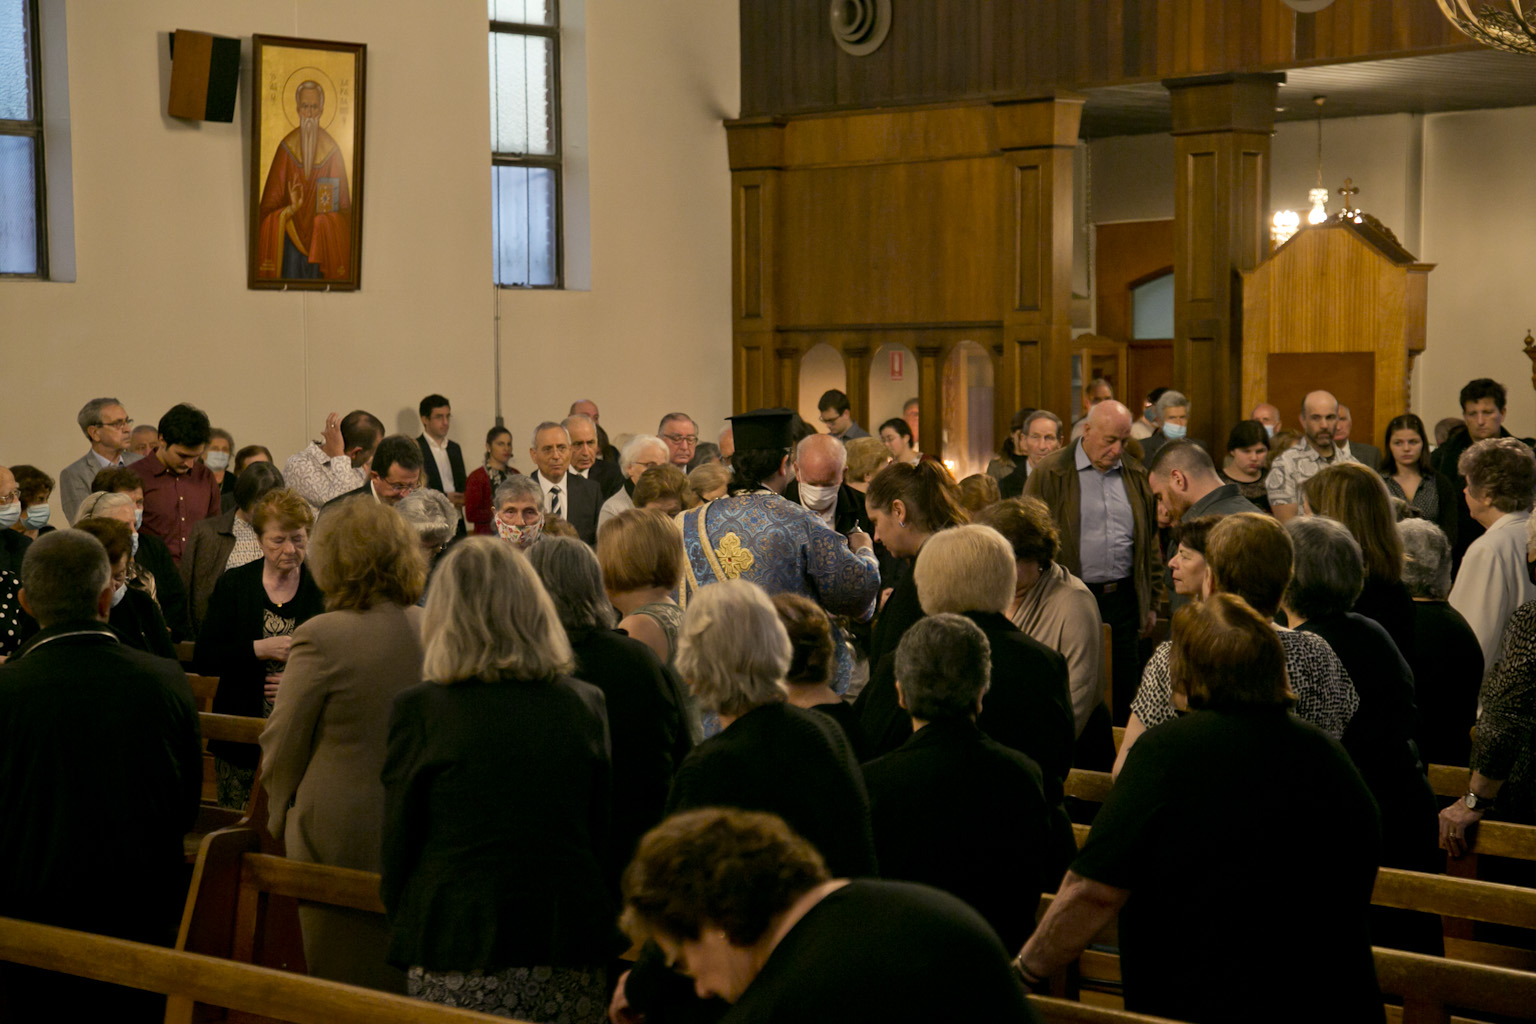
431	517
1326	578
953	808
1172	410
1448	662
644	451
519	506
1503	756
769	755
1493	580
645	703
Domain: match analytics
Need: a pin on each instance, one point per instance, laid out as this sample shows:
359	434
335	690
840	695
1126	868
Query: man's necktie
554	501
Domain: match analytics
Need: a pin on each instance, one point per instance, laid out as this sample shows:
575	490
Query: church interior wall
160	312
1454	187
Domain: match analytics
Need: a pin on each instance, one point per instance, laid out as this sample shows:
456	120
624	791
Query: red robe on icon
315	241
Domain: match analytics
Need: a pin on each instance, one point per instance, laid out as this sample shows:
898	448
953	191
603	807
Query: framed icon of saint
306	164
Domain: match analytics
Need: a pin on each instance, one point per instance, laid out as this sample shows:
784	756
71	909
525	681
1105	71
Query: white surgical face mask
119	594
216	460
138	521
37	517
816	497
1174	431
10	515
1269	430
135	546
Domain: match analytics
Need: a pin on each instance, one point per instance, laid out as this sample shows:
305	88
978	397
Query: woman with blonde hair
323	747
497	782
641	554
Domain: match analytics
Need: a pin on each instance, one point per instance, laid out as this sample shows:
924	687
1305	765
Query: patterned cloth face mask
521	536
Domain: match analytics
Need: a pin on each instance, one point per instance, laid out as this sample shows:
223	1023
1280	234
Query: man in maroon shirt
179	491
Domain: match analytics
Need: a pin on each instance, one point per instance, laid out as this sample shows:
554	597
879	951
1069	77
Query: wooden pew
203	690
1430	987
189	978
211	817
184	653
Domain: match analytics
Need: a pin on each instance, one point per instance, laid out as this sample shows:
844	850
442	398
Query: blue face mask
10	515
1174	431
37	516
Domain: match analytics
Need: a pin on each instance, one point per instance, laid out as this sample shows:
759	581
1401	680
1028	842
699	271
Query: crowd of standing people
686	728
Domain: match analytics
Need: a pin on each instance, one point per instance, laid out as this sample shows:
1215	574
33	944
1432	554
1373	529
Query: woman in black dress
646	709
1246	464
497	783
249	629
1326	577
1355	496
907	504
809	679
1406	468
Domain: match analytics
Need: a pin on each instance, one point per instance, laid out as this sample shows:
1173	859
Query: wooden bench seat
189	978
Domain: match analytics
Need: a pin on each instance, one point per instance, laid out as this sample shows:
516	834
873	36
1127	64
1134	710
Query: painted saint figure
305	230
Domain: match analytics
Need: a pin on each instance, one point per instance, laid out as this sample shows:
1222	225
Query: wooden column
856	369
1036	139
930	399
1222	127
756	149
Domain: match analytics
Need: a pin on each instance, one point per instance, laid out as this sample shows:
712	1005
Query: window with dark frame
525	143
23	224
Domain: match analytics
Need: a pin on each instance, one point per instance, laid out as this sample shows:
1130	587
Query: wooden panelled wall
924	227
944	50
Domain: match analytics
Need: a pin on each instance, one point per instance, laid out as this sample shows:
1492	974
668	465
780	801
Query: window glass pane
15	74
18	205
522	89
523	12
524	215
1152	308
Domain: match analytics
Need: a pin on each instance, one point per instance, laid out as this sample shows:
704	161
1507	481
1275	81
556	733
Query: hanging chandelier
1503	25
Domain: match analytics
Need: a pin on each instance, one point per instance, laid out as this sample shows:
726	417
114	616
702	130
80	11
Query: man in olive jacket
1103	507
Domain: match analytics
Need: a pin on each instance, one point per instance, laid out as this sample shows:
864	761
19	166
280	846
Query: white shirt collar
432	441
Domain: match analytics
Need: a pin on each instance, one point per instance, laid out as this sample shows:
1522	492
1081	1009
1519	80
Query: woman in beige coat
323	747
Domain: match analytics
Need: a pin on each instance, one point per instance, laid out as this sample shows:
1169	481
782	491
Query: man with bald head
1104	509
820	460
1268	415
586	446
1315	452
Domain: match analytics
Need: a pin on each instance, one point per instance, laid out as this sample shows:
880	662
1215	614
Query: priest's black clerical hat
763	429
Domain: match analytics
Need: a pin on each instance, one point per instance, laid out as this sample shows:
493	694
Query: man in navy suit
565	494
442	461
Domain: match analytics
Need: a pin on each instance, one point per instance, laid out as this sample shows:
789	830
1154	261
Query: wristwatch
1473	802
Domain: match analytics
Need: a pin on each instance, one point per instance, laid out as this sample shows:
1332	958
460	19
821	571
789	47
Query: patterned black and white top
1505	744
1325	696
1426	499
10	614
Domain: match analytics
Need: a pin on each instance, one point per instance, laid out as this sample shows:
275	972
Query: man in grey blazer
106	425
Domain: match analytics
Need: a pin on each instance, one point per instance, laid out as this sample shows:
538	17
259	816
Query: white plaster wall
160	312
